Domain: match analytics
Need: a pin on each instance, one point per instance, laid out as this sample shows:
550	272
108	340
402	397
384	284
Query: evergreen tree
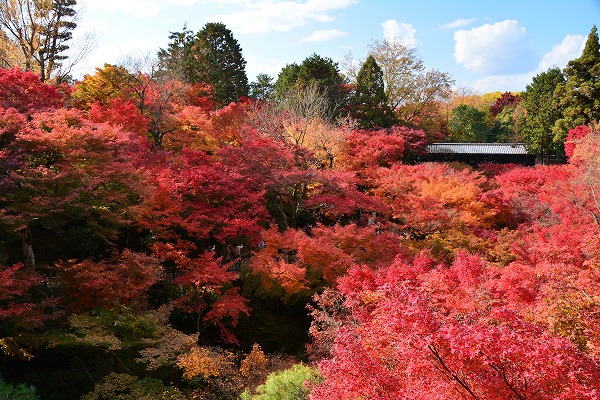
40	31
55	35
215	57
262	88
212	56
504	125
17	392
540	113
369	103
468	124
287	78
580	94
322	70
170	60
326	75
317	72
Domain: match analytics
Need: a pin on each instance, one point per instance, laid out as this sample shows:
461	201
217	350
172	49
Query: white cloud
405	33
458	23
183	2
218	3
502	83
112	53
569	49
501	49
280	16
252	15
258	65
324	36
135	8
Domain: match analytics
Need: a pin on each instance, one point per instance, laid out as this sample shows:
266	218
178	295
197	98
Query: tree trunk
26	240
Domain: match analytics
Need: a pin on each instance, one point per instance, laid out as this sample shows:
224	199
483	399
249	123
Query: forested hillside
174	233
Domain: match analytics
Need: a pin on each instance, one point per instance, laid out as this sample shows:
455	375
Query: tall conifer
579	96
541	113
212	56
369	103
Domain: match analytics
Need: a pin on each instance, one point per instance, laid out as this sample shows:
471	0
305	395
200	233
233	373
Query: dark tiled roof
477	148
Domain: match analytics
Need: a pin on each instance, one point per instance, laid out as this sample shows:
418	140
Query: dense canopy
159	239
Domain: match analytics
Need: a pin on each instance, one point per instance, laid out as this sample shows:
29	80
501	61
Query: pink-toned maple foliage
370	149
573	137
120	113
294	185
428	331
73	168
23	91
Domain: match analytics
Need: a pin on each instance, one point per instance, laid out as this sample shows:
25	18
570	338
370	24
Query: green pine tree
170	60
322	70
541	111
287	78
369	104
16	392
290	384
55	35
212	56
37	33
579	96
262	88
321	73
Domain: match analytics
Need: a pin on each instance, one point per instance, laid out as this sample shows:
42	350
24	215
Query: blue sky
484	45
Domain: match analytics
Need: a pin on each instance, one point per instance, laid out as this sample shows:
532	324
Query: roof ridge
477	148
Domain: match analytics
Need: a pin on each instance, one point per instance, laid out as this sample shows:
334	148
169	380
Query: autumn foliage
23	91
142	230
427	331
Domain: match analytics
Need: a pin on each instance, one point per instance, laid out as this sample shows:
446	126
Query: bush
127	387
18	392
290	384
